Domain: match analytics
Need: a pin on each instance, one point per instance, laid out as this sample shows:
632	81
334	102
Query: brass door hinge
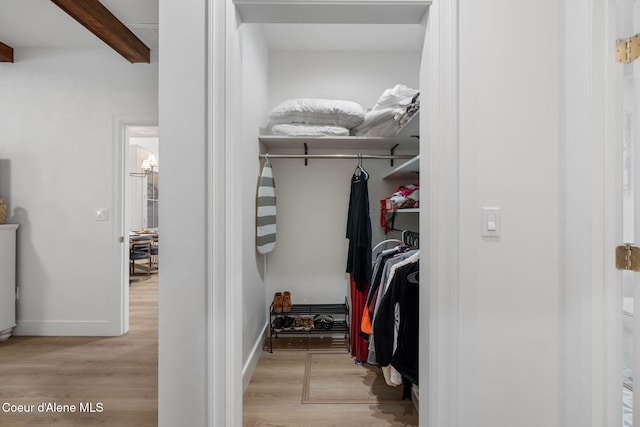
628	257
628	50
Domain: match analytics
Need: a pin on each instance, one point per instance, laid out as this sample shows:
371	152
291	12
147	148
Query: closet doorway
373	57
235	334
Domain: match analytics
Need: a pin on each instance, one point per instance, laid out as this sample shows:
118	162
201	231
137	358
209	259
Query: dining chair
140	249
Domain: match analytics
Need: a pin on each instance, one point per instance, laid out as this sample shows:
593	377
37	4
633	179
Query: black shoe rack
339	313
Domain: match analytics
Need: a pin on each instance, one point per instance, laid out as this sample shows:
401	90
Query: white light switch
102	214
490	222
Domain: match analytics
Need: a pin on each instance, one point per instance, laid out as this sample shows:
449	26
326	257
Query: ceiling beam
97	19
6	53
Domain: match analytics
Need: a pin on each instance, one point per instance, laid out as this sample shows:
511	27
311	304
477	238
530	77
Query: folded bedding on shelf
391	111
318	111
301	129
384	129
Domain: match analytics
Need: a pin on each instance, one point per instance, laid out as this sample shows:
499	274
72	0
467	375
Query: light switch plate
490	222
102	214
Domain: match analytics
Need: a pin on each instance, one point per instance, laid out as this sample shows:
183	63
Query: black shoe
323	321
287	322
277	324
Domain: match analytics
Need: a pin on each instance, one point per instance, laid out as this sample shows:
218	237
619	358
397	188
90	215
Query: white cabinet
7	279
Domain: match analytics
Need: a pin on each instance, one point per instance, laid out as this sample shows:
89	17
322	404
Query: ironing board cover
266	211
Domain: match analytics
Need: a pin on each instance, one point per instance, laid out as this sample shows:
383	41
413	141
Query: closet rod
336	156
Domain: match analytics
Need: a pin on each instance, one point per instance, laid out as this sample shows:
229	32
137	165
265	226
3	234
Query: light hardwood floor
120	373
275	394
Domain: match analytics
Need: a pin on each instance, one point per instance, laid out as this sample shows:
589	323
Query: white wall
356	76
57	112
509	88
182	353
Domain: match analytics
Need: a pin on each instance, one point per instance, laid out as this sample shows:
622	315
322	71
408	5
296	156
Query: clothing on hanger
396	322
388	274
358	256
359	231
376	277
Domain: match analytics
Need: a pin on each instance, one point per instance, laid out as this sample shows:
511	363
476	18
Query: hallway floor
114	378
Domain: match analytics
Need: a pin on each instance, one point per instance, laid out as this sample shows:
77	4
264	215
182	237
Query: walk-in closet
362	54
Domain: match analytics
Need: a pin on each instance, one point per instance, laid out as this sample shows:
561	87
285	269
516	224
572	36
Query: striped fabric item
266	211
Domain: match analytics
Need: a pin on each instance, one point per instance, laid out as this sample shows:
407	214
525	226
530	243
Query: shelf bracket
392	152
306	151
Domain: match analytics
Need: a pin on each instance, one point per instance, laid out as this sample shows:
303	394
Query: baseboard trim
254	357
90	328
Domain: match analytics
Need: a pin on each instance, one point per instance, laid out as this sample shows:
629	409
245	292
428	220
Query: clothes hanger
359	169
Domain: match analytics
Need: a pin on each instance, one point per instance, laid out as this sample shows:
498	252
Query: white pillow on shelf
318	111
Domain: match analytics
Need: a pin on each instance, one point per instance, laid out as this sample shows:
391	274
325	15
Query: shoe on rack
277	302
287	322
298	323
286	301
308	323
323	321
277	324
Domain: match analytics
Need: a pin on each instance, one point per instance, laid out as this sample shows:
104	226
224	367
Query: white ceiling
42	24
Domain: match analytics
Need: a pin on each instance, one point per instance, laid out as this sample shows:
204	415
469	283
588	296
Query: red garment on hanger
359	346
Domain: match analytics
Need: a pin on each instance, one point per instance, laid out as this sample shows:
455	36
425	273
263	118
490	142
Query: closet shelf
408	210
407	170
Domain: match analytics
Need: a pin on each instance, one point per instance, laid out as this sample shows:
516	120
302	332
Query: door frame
439	328
121	162
606	381
591	295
